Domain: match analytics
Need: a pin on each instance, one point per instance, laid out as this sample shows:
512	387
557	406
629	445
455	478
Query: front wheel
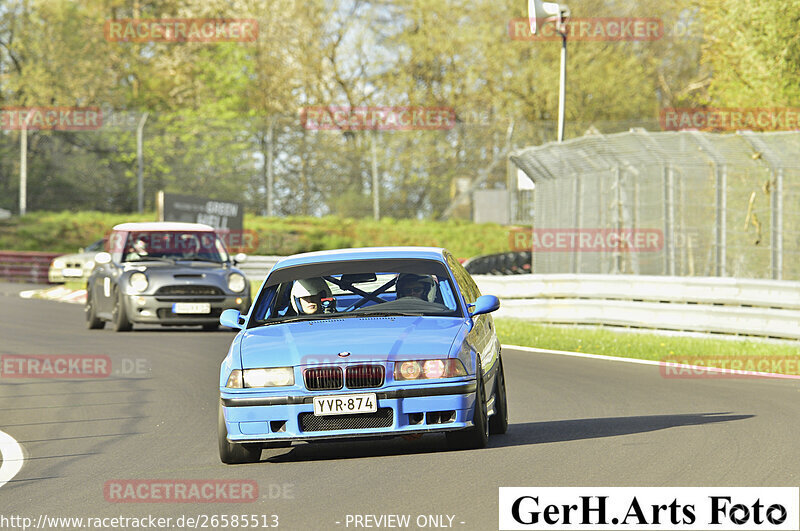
477	436
498	423
92	321
119	317
234	453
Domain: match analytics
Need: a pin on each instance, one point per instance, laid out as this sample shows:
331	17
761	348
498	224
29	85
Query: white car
76	266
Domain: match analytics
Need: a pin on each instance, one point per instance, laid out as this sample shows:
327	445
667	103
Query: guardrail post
777	226
721	225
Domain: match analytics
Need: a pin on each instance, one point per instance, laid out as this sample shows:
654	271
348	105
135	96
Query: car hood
365	338
77	257
180	270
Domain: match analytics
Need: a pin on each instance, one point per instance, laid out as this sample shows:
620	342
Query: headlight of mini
139	281
236	282
58	263
428	369
278	377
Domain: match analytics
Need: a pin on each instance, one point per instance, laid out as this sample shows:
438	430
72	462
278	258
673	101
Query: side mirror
102	258
231	318
240	258
484	304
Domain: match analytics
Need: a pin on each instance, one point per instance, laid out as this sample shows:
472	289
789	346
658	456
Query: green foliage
754	52
212	105
67	231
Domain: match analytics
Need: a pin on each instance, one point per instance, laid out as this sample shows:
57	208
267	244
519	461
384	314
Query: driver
307	295
419	286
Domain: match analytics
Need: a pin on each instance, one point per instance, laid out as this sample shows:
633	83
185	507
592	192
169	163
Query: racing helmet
407	280
307	288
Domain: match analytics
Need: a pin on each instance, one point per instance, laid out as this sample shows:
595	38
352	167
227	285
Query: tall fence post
721	224
777	226
618	215
669	222
577	219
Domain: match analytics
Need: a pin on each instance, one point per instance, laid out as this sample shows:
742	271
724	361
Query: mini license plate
72	272
345	404
191	307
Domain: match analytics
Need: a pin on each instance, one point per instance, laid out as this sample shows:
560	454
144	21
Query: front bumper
265	417
58	276
148	309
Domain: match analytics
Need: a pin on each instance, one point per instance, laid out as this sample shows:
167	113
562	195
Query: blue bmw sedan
370	342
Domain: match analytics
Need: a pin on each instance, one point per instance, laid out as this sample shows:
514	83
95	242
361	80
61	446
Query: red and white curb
58	293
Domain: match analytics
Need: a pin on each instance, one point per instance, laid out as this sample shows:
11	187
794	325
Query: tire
92	321
498	423
477	436
119	318
234	453
210	327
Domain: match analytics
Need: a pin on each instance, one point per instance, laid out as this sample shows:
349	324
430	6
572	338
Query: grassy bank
65	232
647	346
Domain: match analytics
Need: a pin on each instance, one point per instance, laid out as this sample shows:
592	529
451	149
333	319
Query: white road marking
670	364
13	458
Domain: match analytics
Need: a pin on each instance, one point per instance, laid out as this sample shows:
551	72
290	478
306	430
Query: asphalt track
574	422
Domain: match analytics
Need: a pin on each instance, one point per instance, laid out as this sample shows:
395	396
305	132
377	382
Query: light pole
23	169
545	11
140	162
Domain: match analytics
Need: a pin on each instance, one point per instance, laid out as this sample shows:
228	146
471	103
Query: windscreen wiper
200	259
381	314
314	317
152	259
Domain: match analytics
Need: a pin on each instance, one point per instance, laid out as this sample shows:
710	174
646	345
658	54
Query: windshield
357	288
173	245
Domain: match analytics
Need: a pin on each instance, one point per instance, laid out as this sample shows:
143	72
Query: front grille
323	378
189	289
363	376
383	418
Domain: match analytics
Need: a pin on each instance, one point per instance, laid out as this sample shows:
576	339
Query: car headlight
138	281
58	263
278	377
236	282
235	379
428	369
88	266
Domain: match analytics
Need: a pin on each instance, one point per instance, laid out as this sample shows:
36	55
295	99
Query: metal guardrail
257	267
25	266
698	304
768	308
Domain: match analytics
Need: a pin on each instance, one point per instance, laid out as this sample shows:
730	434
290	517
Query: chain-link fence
722	205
